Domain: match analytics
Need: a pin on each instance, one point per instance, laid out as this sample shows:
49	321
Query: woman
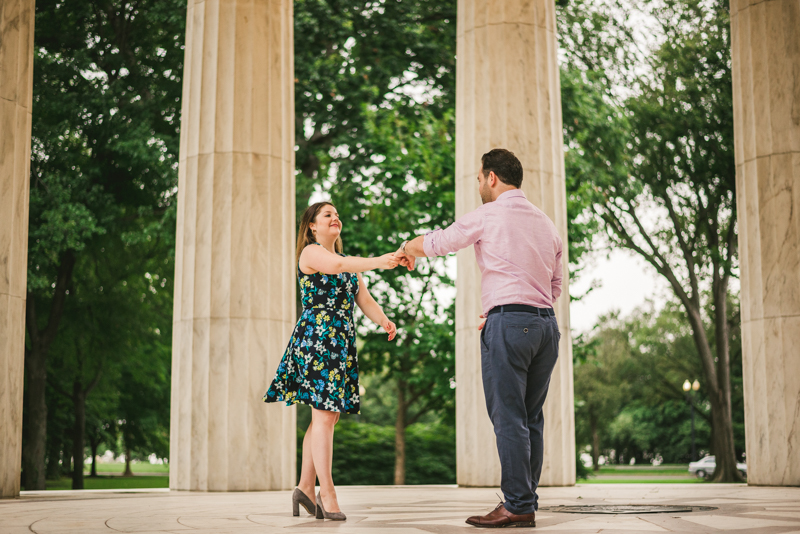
319	367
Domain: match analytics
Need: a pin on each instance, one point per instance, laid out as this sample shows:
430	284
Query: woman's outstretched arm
316	259
372	309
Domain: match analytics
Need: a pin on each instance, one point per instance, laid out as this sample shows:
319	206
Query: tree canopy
656	167
106	113
648	137
629	403
375	131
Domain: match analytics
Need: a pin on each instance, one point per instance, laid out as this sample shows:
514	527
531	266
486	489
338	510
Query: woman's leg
323	423
308	475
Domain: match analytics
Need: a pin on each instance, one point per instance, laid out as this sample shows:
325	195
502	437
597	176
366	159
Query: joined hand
405	260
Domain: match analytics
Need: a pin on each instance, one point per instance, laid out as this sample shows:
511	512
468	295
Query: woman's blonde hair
305	236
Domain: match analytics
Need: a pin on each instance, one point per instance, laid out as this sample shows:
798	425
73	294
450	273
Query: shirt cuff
427	243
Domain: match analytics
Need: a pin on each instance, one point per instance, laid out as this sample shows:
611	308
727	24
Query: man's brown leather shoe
500	518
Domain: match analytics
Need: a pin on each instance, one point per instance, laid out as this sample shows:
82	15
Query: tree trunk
94	443
35	427
78	431
725	470
400	437
717	376
128	472
595	445
54	470
722	435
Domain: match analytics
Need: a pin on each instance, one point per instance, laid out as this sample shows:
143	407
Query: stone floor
398	510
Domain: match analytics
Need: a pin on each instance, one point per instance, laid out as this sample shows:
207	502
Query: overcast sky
625	283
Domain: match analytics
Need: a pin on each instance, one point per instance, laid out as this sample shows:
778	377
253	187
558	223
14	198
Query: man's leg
507	346
538	383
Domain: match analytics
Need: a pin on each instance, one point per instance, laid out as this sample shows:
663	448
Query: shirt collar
512	194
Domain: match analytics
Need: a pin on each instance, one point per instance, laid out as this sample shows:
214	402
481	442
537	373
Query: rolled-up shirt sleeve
558	272
466	231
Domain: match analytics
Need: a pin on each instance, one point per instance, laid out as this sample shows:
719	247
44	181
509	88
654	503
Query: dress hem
301	401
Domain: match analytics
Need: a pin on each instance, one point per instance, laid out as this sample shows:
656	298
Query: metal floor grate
627	509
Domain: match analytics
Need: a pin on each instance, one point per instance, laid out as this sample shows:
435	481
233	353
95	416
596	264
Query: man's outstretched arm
464	232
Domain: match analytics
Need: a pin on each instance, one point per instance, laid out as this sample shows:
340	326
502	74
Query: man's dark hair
504	164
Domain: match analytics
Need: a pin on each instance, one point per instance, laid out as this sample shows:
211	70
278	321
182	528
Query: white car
705	467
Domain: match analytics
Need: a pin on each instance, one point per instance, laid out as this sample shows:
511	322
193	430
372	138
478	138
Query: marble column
234	275
766	96
16	84
508	96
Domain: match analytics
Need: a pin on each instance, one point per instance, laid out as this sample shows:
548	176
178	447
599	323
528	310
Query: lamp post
689	389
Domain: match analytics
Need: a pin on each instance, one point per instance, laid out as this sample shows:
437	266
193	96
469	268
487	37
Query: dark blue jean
518	353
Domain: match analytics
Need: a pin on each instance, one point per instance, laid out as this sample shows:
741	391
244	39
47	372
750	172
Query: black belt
522	308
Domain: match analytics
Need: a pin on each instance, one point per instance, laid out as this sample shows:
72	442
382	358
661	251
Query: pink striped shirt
517	249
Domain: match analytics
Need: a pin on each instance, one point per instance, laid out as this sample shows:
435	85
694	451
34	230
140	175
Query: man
519	254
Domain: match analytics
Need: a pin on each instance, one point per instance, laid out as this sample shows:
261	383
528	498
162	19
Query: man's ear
491	179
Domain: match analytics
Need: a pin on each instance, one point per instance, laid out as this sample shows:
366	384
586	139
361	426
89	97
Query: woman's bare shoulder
308	254
312	248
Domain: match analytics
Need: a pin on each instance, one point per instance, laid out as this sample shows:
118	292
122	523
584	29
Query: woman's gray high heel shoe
298	498
322	514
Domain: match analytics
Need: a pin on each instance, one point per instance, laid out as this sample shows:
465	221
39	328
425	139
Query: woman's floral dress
320	367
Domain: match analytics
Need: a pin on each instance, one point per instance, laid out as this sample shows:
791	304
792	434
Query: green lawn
135	467
642	481
633	470
155	476
642	474
112	482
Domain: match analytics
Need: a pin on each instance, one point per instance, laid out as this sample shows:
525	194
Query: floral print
320	366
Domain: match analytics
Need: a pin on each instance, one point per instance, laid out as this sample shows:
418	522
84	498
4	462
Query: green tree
114	322
375	98
416	173
643	432
374	117
600	387
101	421
597	54
633	369
667	190
60	422
75	369
655	420
665	354
105	137
433	463
145	374
353	57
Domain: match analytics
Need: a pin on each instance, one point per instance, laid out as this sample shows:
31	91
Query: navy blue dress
320	365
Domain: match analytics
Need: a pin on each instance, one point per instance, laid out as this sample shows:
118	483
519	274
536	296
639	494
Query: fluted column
16	82
234	272
766	95
508	96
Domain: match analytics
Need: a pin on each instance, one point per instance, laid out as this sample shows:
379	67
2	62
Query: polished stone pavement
398	510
